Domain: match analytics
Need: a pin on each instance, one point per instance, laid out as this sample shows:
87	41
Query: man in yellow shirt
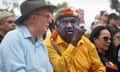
69	50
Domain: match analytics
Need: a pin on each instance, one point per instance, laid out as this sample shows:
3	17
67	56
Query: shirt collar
59	40
25	31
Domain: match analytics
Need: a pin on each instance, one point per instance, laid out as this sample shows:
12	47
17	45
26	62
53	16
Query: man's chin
46	29
70	35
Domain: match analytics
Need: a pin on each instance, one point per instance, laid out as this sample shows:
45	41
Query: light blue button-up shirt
19	53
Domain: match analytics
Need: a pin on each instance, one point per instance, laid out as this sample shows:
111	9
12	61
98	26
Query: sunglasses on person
106	38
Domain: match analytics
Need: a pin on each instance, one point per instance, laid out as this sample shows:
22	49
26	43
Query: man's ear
33	17
94	39
1	26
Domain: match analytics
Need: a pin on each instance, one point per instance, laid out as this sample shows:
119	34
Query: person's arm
61	63
12	54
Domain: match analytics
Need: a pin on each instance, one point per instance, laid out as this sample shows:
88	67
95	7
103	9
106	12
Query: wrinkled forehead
68	18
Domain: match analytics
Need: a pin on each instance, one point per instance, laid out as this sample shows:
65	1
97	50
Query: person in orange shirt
69	50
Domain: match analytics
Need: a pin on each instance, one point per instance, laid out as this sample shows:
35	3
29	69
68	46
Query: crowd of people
26	45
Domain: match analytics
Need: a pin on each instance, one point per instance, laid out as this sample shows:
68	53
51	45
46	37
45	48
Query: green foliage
60	5
6	10
63	5
3	10
115	4
16	5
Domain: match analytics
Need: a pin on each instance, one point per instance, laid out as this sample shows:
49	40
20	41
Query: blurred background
90	7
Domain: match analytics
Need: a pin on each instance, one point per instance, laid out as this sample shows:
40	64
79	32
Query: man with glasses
69	50
7	23
22	50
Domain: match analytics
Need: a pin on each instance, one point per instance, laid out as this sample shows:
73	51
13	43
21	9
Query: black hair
112	16
115	31
110	54
96	32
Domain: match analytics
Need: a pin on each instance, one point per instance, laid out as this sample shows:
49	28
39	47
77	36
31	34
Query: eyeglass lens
106	38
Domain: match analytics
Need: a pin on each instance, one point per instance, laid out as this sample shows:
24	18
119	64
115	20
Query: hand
78	32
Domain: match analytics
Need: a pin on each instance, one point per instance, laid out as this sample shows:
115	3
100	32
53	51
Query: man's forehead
68	17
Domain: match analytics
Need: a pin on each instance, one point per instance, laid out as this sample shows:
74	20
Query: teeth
69	32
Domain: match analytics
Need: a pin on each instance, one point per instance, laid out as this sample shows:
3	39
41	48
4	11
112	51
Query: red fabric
111	65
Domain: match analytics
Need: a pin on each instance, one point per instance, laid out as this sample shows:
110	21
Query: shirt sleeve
62	63
96	64
12	57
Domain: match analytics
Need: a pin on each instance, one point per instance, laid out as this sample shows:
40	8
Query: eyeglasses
45	15
106	38
10	21
71	21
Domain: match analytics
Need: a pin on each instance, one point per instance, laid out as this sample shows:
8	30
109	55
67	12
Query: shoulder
47	40
12	34
11	38
87	42
85	39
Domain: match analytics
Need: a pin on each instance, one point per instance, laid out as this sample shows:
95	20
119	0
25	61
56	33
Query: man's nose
69	24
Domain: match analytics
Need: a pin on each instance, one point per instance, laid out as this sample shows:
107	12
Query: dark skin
69	29
78	32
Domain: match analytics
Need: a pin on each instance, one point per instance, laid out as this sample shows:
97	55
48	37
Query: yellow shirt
82	58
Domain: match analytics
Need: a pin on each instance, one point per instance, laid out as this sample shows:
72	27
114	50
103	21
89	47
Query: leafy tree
3	9
60	5
10	5
115	4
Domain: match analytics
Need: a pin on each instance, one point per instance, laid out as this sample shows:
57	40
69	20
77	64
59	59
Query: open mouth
69	31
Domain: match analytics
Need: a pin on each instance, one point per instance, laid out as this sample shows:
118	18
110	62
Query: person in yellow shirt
69	50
